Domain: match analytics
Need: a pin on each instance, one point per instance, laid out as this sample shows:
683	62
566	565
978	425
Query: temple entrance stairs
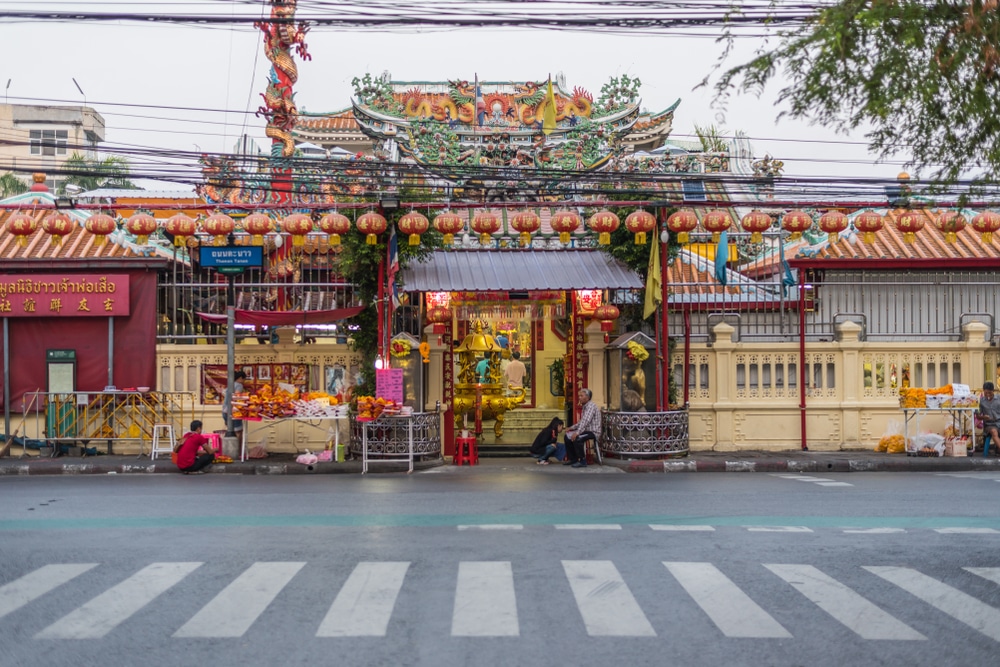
520	428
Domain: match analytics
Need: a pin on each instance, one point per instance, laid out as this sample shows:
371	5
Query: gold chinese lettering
109	305
4	306
29	305
55	305
83	307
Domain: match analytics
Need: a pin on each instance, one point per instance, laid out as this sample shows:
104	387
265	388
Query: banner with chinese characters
213	379
64	295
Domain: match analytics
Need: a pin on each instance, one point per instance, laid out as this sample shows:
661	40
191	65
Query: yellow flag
654	281
549	114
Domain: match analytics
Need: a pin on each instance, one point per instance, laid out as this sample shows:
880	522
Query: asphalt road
525	565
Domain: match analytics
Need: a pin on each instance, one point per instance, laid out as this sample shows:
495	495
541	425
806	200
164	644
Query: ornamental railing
389	436
644	434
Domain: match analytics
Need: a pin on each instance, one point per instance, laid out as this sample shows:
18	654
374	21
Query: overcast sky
176	69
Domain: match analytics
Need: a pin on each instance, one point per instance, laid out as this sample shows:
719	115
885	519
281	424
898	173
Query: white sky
224	68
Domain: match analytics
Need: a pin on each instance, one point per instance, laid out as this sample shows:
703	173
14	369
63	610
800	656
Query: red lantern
414	224
951	223
640	223
334	224
58	225
756	222
485	223
100	225
181	227
440	318
833	223
298	226
909	223
141	225
22	226
448	224
868	223
796	222
604	223
985	222
565	222
218	225
372	224
257	225
527	223
607	314
682	223
716	222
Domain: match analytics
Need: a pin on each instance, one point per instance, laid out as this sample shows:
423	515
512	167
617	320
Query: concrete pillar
594	346
850	382
975	336
725	437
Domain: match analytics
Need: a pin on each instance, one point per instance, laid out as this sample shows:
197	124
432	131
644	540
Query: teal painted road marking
454	520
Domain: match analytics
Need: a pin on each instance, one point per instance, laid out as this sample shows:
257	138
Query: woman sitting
545	443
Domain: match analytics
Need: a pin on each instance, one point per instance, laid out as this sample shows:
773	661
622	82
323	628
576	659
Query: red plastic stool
466	451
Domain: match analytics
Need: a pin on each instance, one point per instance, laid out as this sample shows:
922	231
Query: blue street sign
231	257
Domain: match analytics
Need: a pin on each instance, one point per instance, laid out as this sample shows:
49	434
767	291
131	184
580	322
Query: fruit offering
370	407
913	398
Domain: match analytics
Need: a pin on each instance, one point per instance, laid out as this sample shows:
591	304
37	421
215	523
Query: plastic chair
466	451
986	445
163	440
592	451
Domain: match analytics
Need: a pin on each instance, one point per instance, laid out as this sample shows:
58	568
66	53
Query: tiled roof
691	279
339	121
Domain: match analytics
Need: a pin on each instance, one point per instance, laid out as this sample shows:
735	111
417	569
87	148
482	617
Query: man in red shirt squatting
187	452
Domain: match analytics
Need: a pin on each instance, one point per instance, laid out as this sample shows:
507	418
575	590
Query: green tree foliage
88	174
11	185
918	76
713	140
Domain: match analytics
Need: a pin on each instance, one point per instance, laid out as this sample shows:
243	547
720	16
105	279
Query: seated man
188	460
989	410
588	428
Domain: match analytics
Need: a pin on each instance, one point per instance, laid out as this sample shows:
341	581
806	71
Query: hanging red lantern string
682	223
440	318
986	222
141	226
716	222
795	222
951	223
909	223
868	223
485	223
372	224
100	225
756	222
607	314
219	226
334	225
298	226
22	225
58	225
605	223
833	223
640	223
448	224
565	222
414	224
257	225
527	223
181	227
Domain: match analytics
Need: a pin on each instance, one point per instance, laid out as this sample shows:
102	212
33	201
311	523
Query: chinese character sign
64	295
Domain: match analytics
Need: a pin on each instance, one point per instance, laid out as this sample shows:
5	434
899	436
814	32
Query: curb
38	468
908	464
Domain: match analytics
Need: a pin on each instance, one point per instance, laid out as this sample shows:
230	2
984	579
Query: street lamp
78	88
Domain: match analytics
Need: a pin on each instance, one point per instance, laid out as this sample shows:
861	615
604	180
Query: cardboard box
956	447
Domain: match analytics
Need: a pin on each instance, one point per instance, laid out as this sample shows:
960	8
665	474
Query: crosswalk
486	600
818	481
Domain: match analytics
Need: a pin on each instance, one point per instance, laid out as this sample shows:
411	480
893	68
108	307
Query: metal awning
518	270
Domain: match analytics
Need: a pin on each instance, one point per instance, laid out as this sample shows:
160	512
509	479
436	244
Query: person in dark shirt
989	410
545	443
188	460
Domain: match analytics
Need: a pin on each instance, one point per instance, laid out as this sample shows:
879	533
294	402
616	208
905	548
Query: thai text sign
64	295
228	256
389	384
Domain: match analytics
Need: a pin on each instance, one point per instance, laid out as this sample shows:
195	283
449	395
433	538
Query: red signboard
64	295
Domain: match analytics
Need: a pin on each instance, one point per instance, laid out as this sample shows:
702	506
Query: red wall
135	345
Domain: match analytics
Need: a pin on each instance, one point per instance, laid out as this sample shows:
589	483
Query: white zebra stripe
605	601
35	584
485	603
365	602
681	527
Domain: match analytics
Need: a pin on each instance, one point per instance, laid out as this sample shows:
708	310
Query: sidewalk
755	461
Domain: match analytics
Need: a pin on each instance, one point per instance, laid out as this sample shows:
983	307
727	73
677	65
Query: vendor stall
939	421
269	407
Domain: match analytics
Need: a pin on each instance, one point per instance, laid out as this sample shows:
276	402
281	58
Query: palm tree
89	174
11	185
713	140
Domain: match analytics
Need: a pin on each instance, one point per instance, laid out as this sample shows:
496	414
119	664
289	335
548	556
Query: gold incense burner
486	397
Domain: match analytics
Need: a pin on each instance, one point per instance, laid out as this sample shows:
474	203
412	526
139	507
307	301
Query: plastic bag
926	442
892	440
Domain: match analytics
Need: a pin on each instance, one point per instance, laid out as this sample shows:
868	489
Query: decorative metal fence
644	434
389	436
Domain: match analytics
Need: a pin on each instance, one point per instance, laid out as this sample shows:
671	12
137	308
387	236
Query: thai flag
393	267
480	104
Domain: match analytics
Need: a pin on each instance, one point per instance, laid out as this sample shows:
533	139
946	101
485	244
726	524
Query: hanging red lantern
681	223
440	318
640	223
58	225
795	222
527	223
717	221
334	225
372	224
756	222
605	223
414	224
909	223
833	223
607	314
485	223
141	226
218	225
100	225
951	223
565	222
868	222
22	226
181	227
298	226
448	224
986	222
257	225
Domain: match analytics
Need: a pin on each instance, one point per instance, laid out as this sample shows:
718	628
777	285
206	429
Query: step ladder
163	440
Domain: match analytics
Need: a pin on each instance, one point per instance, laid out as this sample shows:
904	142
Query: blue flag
721	255
788	280
393	268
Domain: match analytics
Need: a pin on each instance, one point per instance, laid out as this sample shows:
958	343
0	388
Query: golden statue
487	398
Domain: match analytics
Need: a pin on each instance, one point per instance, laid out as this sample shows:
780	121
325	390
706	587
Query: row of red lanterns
833	222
